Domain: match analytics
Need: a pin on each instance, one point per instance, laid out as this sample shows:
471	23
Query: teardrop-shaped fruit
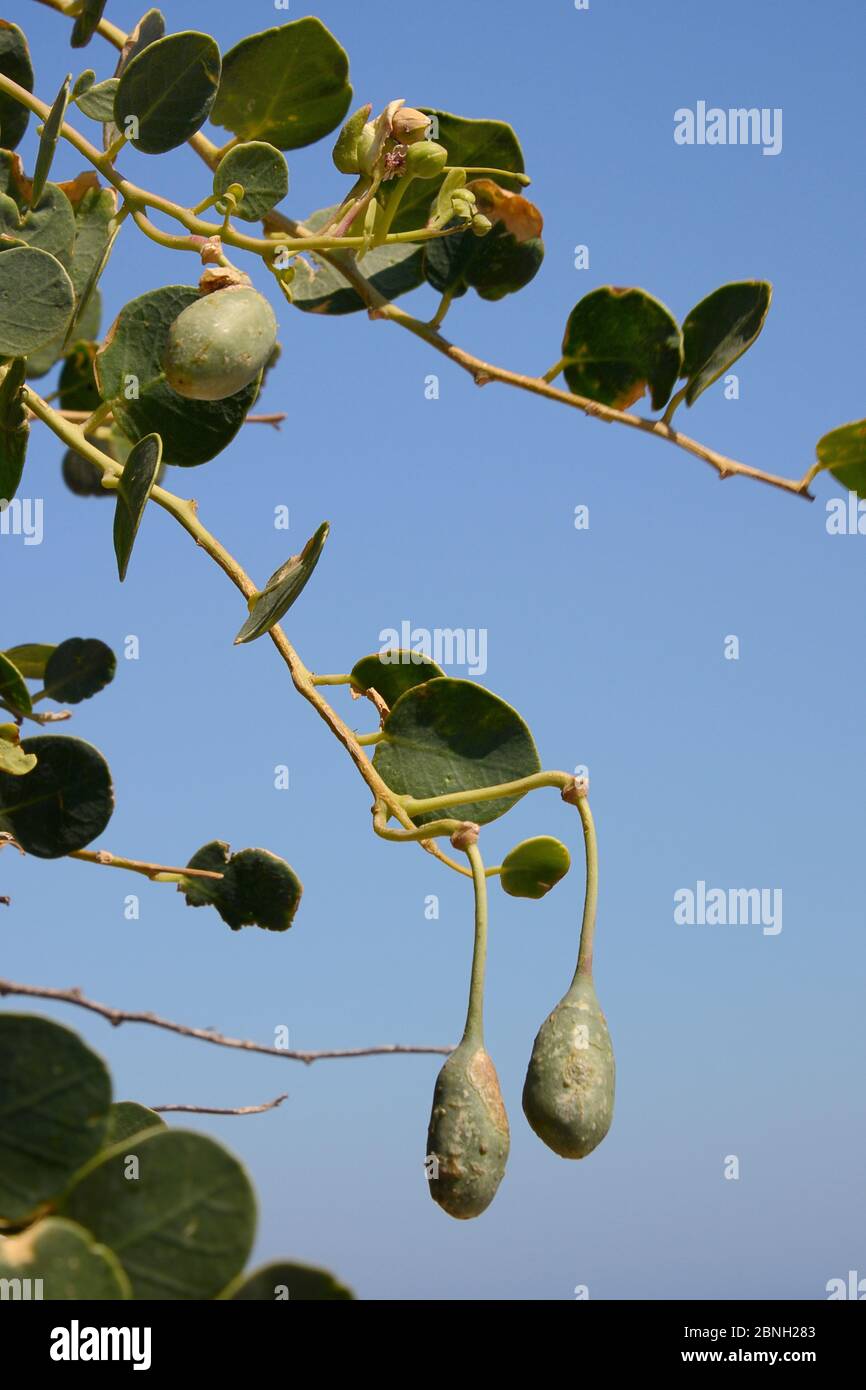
569	1088
219	344
468	1138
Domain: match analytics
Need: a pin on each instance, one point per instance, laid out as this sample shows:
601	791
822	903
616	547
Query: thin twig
209	1035
137	866
216	1110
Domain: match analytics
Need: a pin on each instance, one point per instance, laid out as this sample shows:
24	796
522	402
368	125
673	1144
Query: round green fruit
468	1138
219	344
569	1089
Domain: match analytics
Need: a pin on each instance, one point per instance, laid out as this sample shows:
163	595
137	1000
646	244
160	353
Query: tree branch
209	1035
214	1110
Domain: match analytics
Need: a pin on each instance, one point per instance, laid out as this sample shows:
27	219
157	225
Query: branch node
466	836
575	790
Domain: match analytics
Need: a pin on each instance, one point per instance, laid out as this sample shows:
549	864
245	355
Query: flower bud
481	225
409	126
346	153
425	160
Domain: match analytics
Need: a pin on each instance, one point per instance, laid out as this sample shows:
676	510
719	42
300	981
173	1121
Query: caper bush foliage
421	197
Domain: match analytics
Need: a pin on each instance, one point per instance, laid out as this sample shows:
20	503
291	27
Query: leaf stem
139	866
424	805
474	1030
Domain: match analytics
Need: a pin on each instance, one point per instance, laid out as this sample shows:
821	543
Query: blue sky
459	512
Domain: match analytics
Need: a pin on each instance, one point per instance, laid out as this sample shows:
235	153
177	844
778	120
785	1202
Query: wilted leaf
285	585
258	889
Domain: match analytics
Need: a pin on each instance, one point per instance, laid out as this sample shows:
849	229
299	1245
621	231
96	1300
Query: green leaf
127	1118
50	225
54	1099
285	585
720	329
30	658
451	736
494	265
149	28
12	759
14	63
319	288
257	888
283	1280
14	430
12	687
98	101
262	171
78	669
184	1228
64	803
618	342
287	85
139	475
67	1261
87	22
169	89
48	141
193	431
843	453
36	300
470	143
394	672
535	866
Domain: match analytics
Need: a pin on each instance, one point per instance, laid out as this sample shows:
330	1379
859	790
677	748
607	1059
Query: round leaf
296	1283
257	888
261	170
78	669
64	803
288	85
169	89
535	866
130	360
14	63
453	735
843	452
183	1228
618	342
54	1099
126	1118
720	329
392	673
49	226
66	1260
36	300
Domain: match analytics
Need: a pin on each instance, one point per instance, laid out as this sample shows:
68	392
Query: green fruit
569	1088
468	1135
426	159
219	344
82	477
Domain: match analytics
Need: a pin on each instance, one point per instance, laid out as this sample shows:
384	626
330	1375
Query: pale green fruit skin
568	1094
468	1133
219	344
